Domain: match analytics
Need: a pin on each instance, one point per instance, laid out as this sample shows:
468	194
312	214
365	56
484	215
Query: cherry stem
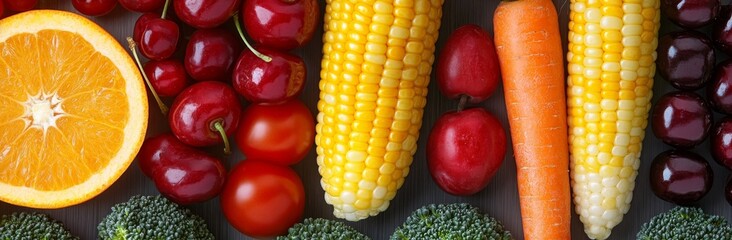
218	125
241	34
463	101
165	9
133	48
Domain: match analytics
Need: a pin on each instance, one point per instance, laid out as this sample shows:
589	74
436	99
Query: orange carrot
530	53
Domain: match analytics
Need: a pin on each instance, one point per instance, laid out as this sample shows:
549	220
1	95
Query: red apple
465	150
468	65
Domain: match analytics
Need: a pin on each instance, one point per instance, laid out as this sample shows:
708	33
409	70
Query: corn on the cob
612	53
377	59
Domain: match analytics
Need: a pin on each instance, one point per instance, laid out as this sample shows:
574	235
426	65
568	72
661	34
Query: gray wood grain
499	198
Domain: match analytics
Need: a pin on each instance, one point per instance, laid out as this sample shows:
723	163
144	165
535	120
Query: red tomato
281	134
261	199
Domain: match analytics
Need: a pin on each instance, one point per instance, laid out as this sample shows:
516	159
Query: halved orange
73	109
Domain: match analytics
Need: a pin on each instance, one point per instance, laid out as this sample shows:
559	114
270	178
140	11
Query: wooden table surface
499	199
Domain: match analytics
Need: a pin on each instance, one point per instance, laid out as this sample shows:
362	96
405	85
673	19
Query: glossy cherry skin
2	10
159	39
277	81
468	65
719	92
183	174
211	53
168	77
94	7
465	150
199	107
721	143
680	177
281	24
141	23
690	13
681	119
20	5
205	13
722	29
685	59
142	5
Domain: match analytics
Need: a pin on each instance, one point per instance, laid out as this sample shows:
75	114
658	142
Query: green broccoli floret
152	218
450	221
32	226
685	223
322	229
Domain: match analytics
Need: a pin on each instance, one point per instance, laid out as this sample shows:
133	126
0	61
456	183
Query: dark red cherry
721	143
719	92
141	23
211	53
20	5
142	5
168	77
159	39
205	13
276	81
181	173
281	24
205	113
681	119
680	177
686	59
690	13
94	7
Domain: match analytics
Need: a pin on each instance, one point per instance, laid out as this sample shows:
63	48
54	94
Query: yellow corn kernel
611	67
377	59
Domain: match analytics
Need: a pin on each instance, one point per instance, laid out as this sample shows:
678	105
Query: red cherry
183	174
205	113
94	7
159	39
276	81
2	10
281	24
205	13
142	5
20	5
211	53
141	23
168	77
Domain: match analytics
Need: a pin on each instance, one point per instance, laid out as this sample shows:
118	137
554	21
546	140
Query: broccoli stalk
685	223
32	226
322	229
451	221
152	218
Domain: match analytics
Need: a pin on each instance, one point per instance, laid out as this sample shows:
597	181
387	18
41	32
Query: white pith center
42	111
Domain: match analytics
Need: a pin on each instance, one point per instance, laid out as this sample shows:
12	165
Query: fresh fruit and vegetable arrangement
365	119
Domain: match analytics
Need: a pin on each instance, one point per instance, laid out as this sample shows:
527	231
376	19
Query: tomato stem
165	9
463	101
133	48
249	46
219	127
